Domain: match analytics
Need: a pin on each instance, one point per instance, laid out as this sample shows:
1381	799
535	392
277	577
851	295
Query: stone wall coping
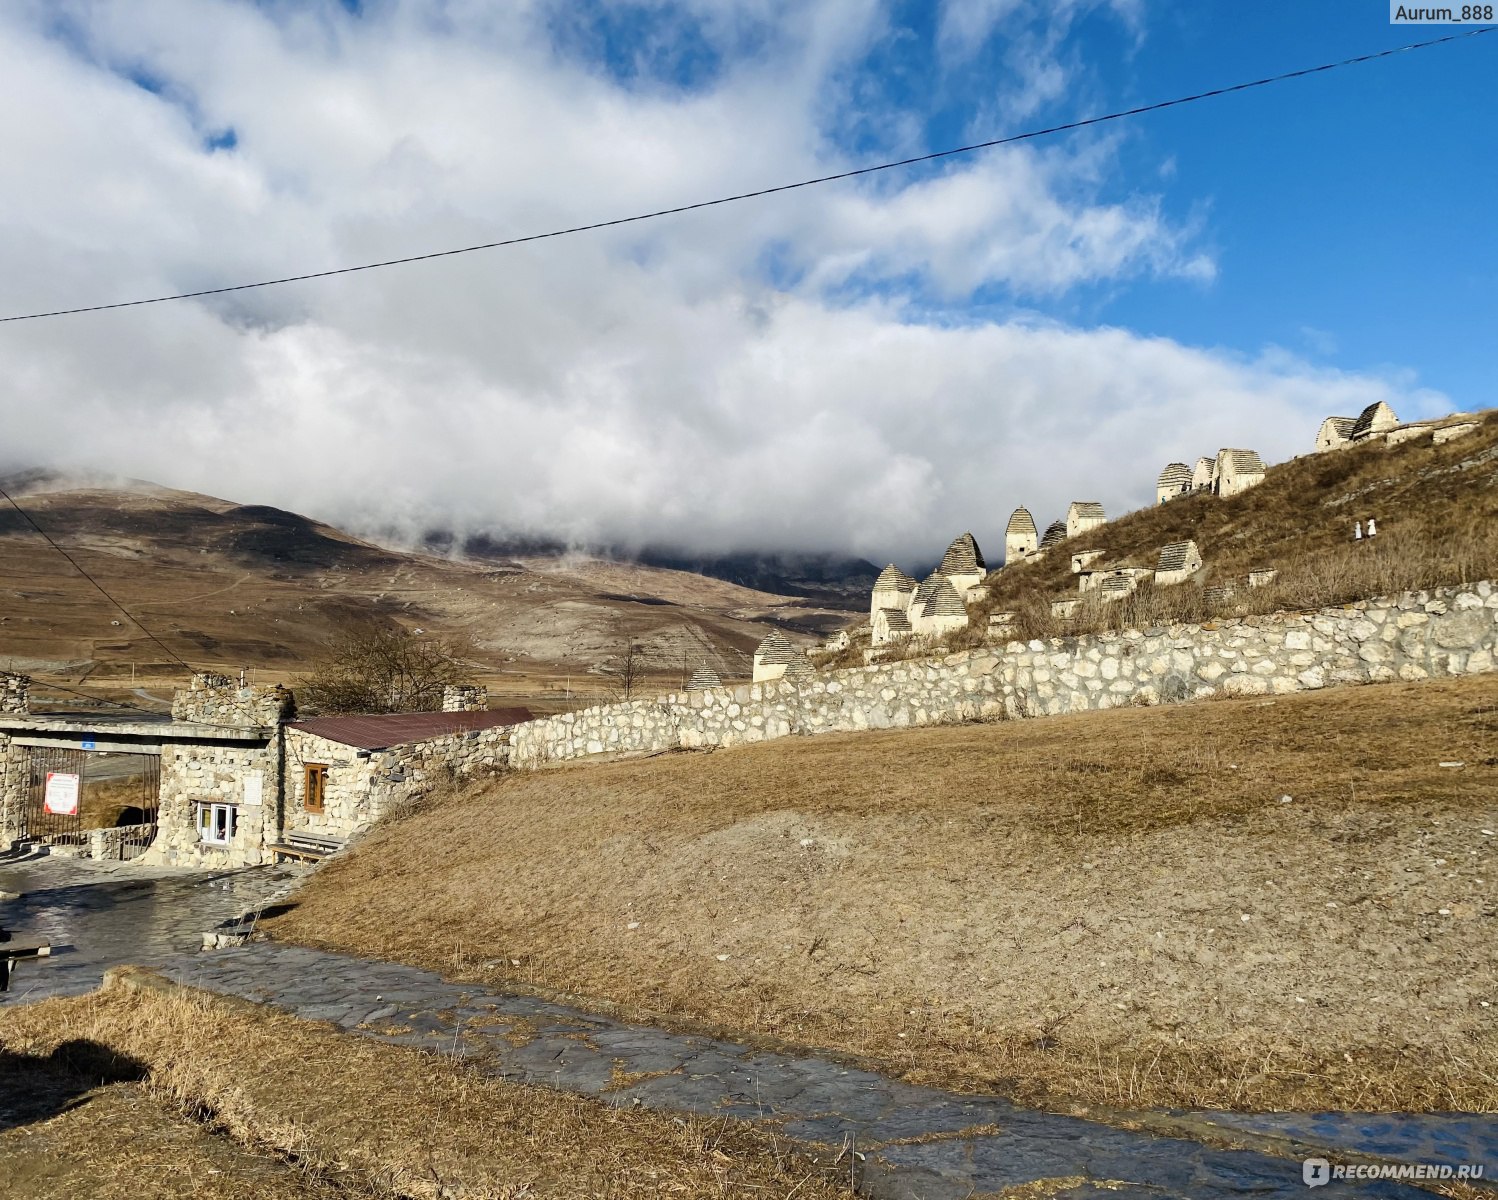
163	731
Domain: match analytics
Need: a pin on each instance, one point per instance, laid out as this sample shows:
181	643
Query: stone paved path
915	1143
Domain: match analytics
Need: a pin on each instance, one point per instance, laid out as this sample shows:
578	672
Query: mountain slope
228	586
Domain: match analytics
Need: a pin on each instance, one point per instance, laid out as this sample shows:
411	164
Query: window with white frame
216	823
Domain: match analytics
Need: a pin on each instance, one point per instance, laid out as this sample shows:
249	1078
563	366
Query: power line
768	191
25	516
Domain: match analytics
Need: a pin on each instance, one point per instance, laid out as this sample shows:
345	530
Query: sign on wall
61	796
254	788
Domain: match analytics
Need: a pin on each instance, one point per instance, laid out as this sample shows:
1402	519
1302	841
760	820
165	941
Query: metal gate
74	793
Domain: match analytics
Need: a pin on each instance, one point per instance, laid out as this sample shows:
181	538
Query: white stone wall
13	761
1415	636
215	773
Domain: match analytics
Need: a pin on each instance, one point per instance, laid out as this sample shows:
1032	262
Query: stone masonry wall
215	773
14	690
218	700
361	789
13	764
1418	635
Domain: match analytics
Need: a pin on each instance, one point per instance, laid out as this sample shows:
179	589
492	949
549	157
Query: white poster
61	796
254	787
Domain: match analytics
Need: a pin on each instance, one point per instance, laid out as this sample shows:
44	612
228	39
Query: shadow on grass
35	1088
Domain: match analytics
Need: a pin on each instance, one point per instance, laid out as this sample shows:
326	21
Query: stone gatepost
464	697
14	693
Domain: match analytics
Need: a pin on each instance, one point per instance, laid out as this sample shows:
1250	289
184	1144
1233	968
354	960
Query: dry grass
1437	509
344	1116
1115	906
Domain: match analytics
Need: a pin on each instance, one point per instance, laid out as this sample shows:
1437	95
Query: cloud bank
822	370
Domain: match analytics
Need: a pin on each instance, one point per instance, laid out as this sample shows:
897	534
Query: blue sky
870	366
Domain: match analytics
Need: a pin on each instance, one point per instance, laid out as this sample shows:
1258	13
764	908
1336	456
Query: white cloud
656	383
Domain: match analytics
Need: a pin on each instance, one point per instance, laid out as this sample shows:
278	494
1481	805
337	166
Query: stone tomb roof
896	620
1175	556
963	557
1020	521
1055	534
776	649
1343	425
1245	462
1366	418
1174	475
704	677
892	578
379	731
943	600
1089	509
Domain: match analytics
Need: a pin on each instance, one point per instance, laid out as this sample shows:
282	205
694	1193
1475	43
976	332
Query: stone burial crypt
231	778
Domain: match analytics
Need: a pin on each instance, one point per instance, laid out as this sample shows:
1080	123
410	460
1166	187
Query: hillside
1245	903
232	586
1437	514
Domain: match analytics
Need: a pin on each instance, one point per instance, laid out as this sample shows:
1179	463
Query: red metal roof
379	731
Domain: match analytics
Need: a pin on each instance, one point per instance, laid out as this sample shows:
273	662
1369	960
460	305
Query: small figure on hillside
1357	531
1372	527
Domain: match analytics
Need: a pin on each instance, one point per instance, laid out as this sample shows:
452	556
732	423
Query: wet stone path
915	1142
910	1143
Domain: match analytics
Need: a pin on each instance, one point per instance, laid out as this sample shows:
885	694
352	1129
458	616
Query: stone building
776	658
1020	538
889	625
893	589
1055	534
1179	561
1082	515
1113	582
1174	481
230	778
1084	559
1203	474
1335	432
938	608
963	566
1262	576
1377	418
1237	471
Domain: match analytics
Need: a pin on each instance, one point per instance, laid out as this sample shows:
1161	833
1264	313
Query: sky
867	367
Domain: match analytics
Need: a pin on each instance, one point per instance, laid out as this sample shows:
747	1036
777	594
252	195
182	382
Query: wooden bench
12	951
306	847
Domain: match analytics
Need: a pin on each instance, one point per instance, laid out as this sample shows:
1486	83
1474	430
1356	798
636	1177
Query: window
217	823
317	786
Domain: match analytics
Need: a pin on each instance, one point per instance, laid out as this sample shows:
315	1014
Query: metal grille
115	791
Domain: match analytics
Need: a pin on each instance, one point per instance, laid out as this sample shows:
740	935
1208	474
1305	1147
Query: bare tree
375	669
625	671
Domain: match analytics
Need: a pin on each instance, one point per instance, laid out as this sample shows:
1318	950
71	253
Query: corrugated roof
379	731
1020	521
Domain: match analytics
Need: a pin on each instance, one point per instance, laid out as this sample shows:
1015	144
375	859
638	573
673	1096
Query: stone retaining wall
1418	635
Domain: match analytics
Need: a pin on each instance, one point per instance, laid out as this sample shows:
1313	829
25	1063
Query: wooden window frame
315	781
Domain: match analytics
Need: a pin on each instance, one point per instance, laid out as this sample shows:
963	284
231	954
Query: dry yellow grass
282	1104
1116	907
